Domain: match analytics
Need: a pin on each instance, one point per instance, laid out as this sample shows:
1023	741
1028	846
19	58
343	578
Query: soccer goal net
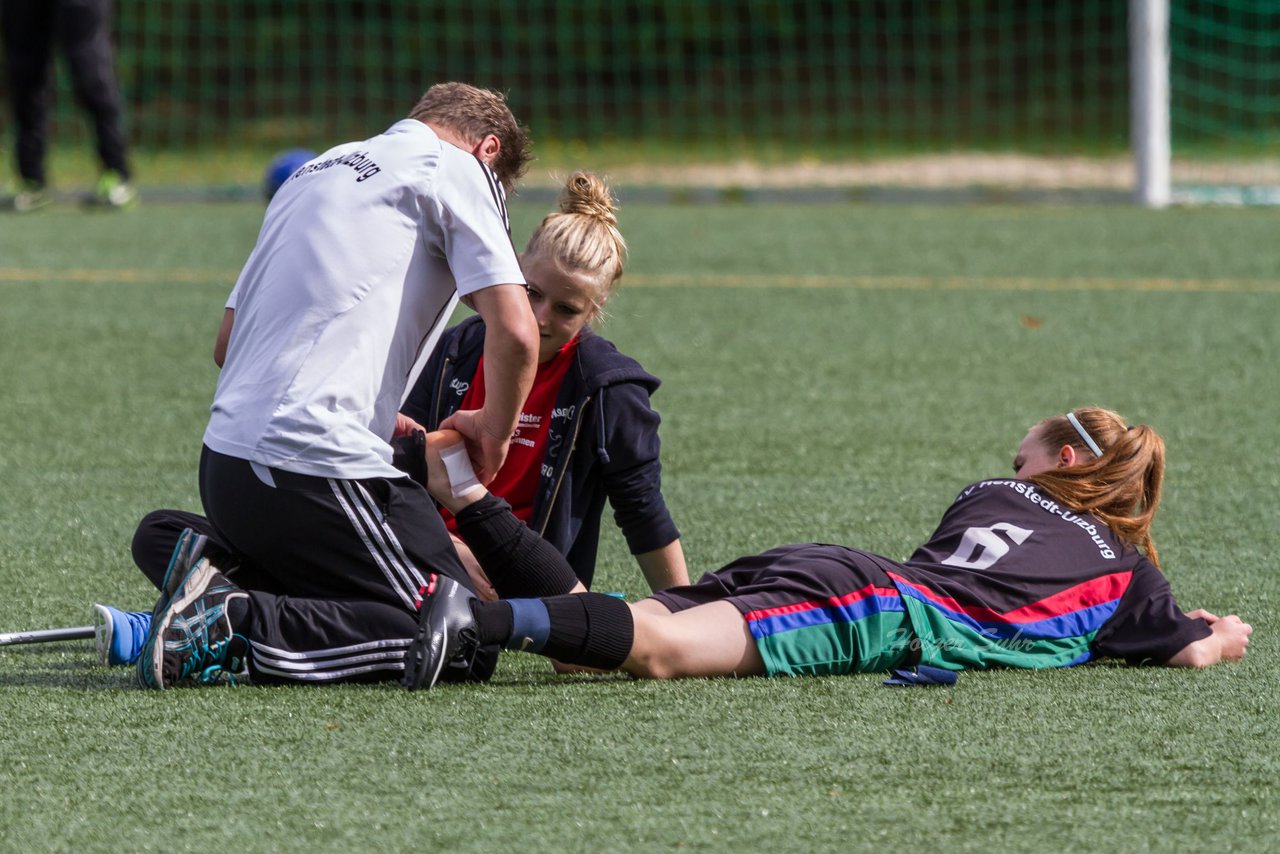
1001	94
1224	83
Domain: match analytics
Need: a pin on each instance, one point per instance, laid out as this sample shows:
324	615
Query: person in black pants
81	30
363	254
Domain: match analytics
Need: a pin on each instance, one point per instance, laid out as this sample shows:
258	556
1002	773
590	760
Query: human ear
1067	457
487	149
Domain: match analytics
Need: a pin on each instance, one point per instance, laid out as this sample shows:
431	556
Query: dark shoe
186	554
192	636
446	633
409	454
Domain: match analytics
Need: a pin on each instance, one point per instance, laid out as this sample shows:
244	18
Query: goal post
1149	100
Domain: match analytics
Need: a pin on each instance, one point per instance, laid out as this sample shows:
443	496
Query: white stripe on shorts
329	665
361	510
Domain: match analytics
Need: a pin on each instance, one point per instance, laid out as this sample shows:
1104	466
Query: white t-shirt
361	258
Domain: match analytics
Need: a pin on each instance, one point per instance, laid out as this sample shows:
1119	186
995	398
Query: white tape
462	477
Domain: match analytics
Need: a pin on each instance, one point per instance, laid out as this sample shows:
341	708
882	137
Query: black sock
493	622
238	653
590	629
519	563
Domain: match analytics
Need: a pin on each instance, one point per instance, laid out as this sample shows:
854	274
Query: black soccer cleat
446	632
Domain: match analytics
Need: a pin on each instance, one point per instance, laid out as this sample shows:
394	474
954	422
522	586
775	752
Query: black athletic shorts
813	609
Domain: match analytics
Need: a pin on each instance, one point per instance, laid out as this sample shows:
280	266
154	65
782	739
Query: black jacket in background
602	442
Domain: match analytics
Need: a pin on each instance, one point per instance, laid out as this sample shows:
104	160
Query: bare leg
709	640
484	589
652	606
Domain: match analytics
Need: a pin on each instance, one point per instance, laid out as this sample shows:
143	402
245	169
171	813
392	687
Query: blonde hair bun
582	235
587	194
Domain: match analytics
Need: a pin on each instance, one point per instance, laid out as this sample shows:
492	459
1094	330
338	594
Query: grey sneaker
186	554
192	637
114	192
31	196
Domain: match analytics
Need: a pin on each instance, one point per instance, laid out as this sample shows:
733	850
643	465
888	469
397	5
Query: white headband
1084	434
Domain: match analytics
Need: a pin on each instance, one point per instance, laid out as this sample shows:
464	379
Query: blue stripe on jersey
1072	624
824	614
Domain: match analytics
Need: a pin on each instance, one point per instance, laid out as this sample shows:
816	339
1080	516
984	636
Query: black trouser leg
157	536
84	32
351	556
27	29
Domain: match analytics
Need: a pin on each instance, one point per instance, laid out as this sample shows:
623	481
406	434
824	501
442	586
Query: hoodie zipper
444	372
564	465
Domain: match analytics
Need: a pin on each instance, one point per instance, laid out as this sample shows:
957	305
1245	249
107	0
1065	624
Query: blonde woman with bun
587	432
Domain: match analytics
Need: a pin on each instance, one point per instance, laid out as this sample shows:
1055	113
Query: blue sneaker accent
119	635
192	636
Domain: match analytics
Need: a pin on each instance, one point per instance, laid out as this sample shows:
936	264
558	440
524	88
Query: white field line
957	283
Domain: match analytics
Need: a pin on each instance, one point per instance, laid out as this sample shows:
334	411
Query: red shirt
517	480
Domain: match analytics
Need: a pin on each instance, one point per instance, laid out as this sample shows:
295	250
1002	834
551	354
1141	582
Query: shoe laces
207	659
469	644
232	669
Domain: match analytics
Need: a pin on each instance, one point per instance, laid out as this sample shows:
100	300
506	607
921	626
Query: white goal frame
1149	100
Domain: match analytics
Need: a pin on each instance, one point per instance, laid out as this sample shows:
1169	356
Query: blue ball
281	167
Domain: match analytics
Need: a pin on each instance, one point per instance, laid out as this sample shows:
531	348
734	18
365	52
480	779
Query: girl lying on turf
1050	568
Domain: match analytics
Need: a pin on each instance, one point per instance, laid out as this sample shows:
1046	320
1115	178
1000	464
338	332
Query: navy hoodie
602	442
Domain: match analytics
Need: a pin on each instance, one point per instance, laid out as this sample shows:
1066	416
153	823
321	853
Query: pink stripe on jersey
1106	588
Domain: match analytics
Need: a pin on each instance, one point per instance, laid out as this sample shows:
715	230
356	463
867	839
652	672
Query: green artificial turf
831	373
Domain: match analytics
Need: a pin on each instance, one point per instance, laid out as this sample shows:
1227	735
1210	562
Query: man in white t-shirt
363	254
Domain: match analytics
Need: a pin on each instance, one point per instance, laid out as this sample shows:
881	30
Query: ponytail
1121	486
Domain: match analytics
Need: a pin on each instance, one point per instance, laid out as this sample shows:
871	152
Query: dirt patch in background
929	172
